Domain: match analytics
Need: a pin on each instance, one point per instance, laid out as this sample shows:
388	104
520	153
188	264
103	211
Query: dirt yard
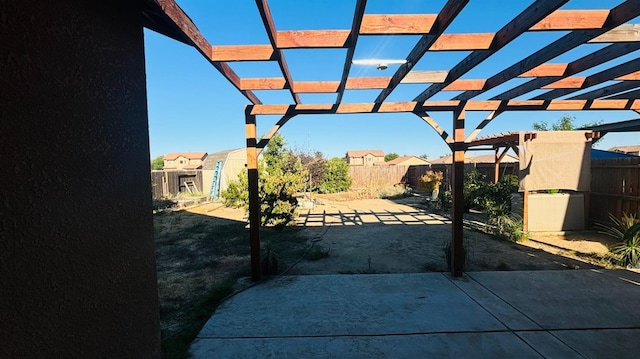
200	249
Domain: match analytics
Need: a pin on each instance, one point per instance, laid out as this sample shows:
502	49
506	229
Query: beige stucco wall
552	212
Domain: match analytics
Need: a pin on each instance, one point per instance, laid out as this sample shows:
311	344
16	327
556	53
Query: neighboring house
408	161
365	157
184	160
630	150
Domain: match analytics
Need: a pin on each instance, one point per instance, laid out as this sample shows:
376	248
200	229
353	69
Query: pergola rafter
584	26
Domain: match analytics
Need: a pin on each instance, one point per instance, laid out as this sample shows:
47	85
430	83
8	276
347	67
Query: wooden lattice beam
312	39
586	62
242	53
178	17
618	15
267	20
397	24
448	13
595	79
607	91
529	17
451	105
353	41
573	20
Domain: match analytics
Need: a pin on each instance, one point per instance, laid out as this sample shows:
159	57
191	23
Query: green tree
157	163
565	123
336	176
314	164
424	156
390	156
281	178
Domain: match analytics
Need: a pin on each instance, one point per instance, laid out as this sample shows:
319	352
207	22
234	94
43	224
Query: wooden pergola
608	26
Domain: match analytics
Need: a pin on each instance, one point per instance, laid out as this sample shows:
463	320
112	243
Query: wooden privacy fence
386	176
377	176
169	183
615	188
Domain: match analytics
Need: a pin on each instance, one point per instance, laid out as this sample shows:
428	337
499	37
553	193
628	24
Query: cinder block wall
77	264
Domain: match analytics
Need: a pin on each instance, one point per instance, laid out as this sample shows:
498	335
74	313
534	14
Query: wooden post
496	166
525	211
457	185
254	198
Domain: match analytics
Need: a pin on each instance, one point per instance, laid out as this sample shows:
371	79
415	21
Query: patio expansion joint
515	332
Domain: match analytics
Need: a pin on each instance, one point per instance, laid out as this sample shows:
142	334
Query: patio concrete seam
551	334
499	297
364	335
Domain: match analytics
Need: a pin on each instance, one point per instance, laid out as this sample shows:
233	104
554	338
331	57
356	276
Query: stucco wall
77	265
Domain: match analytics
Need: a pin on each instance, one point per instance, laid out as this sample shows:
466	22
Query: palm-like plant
627	231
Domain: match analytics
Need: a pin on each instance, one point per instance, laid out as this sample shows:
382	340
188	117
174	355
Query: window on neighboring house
170	162
181	162
369	159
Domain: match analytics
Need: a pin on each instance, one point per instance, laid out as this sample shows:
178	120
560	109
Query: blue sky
193	108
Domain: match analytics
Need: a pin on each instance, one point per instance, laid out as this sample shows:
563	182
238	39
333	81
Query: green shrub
336	176
281	177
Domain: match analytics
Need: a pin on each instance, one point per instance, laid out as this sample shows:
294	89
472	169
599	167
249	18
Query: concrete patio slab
581	299
446	345
350	305
541	314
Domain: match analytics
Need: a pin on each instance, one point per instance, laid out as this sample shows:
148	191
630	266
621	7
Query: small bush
627	231
431	181
508	226
397	191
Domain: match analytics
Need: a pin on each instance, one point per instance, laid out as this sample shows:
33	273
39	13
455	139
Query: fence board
615	188
171	183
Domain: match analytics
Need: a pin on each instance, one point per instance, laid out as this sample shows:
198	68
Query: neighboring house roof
635	148
190	155
362	153
402	159
447	160
492	158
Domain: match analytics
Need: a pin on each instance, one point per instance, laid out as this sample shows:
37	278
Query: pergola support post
457	186
254	198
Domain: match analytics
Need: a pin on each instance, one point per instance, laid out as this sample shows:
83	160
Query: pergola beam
267	20
529	17
353	41
572	20
595	79
452	105
607	91
436	127
620	14
181	21
552	72
448	13
397	24
322	39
